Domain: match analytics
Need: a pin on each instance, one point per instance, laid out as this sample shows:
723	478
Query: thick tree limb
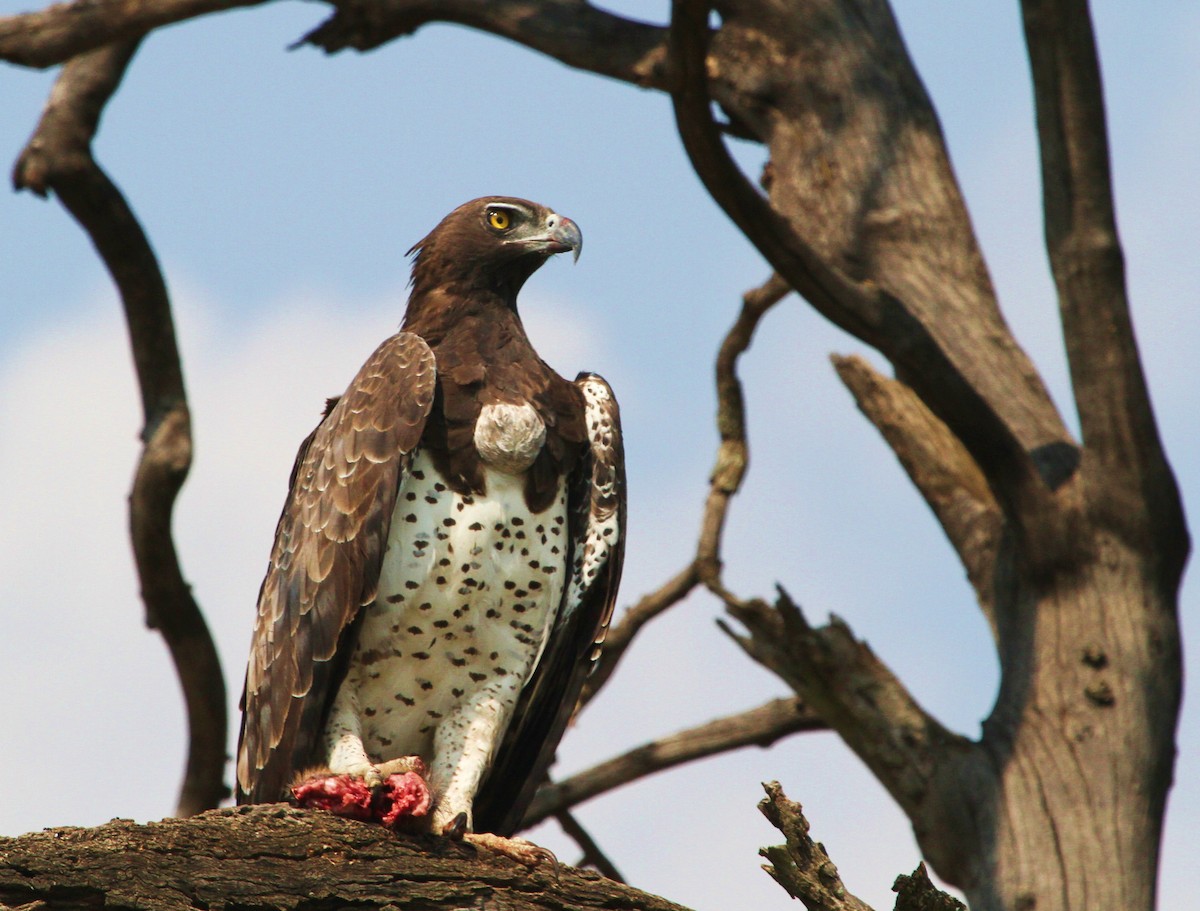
65	30
1136	489
939	466
572	31
760	727
936	370
273	858
58	158
859	311
853	692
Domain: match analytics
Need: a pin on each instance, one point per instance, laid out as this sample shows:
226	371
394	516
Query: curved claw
518	849
456	829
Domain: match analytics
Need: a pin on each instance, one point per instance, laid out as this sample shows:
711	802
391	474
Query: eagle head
493	243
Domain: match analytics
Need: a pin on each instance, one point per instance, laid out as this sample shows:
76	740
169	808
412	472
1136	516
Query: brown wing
597	515
329	544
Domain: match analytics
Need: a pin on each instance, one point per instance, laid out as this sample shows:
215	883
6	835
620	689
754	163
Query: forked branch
863	309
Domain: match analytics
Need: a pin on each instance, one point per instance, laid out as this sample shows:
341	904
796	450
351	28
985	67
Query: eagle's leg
344	743
463	747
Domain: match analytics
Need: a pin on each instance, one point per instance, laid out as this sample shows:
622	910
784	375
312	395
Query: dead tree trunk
1075	549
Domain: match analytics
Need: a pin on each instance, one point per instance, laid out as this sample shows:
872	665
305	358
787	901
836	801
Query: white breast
509	437
469	588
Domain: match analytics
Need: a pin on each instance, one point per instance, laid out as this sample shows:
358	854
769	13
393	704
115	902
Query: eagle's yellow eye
498	219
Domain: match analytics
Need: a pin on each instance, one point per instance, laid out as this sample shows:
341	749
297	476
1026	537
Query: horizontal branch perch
273	858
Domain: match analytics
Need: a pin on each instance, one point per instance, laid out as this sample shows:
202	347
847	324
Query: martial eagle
448	555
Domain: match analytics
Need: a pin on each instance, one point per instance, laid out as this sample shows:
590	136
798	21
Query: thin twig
592	855
761	726
724	481
58	158
733	454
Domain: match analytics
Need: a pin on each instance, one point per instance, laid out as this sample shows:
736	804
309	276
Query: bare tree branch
857	310
621	635
801	866
733	454
58	158
939	466
1127	458
761	727
724	482
65	30
592	855
274	858
853	692
572	31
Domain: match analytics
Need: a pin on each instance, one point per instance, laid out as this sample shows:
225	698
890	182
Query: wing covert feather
325	563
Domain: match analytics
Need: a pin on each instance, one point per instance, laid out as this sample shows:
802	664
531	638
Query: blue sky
281	189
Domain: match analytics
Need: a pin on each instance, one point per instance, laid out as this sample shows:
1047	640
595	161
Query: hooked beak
561	235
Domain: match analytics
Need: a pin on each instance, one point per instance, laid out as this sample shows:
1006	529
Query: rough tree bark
1082	546
1081	579
1075	549
274	858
